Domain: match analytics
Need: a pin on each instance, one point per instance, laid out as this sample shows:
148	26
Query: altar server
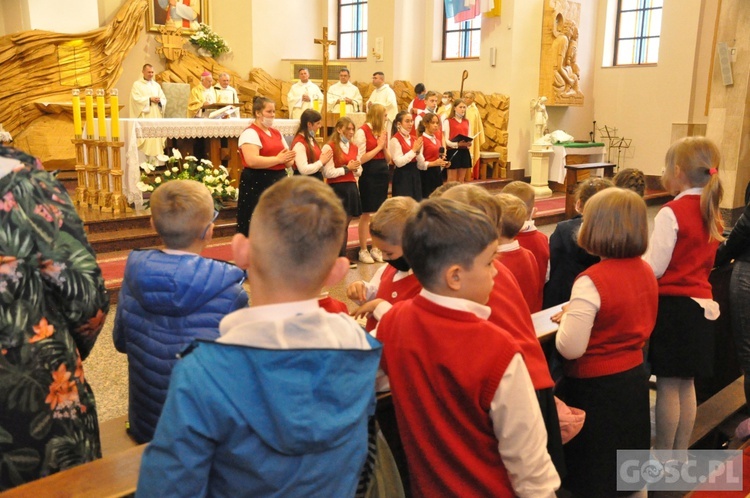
147	100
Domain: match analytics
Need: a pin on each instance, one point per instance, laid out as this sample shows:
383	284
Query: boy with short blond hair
485	435
529	237
519	260
279	404
170	297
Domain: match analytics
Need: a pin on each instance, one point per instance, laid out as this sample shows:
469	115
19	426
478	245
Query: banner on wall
465	10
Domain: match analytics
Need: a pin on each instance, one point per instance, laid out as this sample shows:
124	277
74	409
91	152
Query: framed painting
185	14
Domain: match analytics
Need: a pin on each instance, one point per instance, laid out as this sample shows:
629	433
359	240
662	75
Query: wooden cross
326	43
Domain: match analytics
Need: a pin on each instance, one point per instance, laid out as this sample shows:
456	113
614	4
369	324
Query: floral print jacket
52	307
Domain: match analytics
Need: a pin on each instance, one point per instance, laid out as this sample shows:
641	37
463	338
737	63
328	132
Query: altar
213	129
569	153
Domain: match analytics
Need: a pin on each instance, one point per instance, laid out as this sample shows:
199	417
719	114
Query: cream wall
645	102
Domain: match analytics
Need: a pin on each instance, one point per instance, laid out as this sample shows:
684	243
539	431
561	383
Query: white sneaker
365	257
376	254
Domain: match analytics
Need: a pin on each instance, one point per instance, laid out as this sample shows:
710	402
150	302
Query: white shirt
575	327
447	133
397	155
360	140
422	163
340	91
294	97
300	159
516	418
330	170
386	97
662	244
250	136
371	290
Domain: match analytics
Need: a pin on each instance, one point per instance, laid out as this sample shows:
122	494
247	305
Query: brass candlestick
119	204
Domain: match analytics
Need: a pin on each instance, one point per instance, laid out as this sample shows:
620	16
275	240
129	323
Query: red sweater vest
332	305
524	267
444	368
510	312
629	301
536	242
299	139
431	150
371	142
455	128
693	255
405	147
270	146
393	292
340	161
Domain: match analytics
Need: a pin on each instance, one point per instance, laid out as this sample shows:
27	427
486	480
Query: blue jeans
739	298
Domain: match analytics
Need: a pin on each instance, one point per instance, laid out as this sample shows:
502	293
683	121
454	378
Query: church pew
110	477
713	412
114	437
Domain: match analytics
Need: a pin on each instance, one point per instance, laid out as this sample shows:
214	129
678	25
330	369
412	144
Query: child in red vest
511	313
519	260
687	232
395	281
465	404
602	332
529	237
404	149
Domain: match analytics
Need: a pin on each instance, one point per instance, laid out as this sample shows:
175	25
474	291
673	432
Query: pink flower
8	202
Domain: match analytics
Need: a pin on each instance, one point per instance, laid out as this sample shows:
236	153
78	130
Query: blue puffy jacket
165	302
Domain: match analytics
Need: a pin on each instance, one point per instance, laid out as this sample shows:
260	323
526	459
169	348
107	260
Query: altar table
567	153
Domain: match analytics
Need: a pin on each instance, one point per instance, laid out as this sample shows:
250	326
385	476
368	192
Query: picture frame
186	14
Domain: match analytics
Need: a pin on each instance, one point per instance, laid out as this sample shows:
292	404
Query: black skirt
431	179
682	343
459	158
349	195
407	182
318	175
253	182
373	185
617	418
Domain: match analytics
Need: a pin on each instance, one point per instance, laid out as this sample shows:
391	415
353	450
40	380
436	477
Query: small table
491	159
574	173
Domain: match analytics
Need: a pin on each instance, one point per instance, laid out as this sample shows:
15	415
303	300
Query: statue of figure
567	74
540	117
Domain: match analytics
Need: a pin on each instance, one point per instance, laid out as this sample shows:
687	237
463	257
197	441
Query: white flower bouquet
208	42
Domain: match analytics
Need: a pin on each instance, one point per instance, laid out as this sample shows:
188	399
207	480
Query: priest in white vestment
225	94
344	90
384	95
147	100
302	94
202	95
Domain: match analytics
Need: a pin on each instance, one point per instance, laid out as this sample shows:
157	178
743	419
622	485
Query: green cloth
580	145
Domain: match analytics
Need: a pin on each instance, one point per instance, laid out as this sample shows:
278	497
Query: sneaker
365	257
352	265
376	254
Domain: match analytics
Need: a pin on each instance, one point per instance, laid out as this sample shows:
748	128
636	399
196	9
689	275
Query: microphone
441	151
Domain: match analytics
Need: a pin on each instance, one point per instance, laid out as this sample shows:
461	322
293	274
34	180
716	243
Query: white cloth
330	170
313	327
250	136
294	97
662	243
516	418
228	95
387	98
142	107
574	332
300	159
341	91
399	158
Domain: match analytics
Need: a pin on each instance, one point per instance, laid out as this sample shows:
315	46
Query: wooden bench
110	477
114	437
574	173
713	412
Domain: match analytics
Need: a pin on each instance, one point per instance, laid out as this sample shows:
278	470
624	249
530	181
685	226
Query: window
637	33
461	39
352	42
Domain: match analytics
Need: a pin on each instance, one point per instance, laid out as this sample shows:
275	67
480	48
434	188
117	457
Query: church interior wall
15	16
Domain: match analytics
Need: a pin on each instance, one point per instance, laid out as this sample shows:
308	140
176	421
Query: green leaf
23	459
41	425
5	436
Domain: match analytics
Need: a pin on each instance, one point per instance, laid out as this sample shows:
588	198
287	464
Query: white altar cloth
557	162
132	129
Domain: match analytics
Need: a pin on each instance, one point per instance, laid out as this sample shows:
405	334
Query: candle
342	108
114	113
316	105
77	112
90	113
100	114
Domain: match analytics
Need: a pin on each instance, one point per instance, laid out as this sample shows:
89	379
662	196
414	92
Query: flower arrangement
209	42
216	179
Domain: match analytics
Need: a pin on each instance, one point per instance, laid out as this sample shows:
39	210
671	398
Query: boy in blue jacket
170	297
279	404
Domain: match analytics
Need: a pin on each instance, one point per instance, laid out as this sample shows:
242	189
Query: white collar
690	191
510	246
528	226
458	304
268	313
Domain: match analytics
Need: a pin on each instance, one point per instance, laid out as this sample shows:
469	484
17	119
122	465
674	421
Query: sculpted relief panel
559	75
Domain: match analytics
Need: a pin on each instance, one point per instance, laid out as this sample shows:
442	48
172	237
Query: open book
221	113
543	325
464	138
